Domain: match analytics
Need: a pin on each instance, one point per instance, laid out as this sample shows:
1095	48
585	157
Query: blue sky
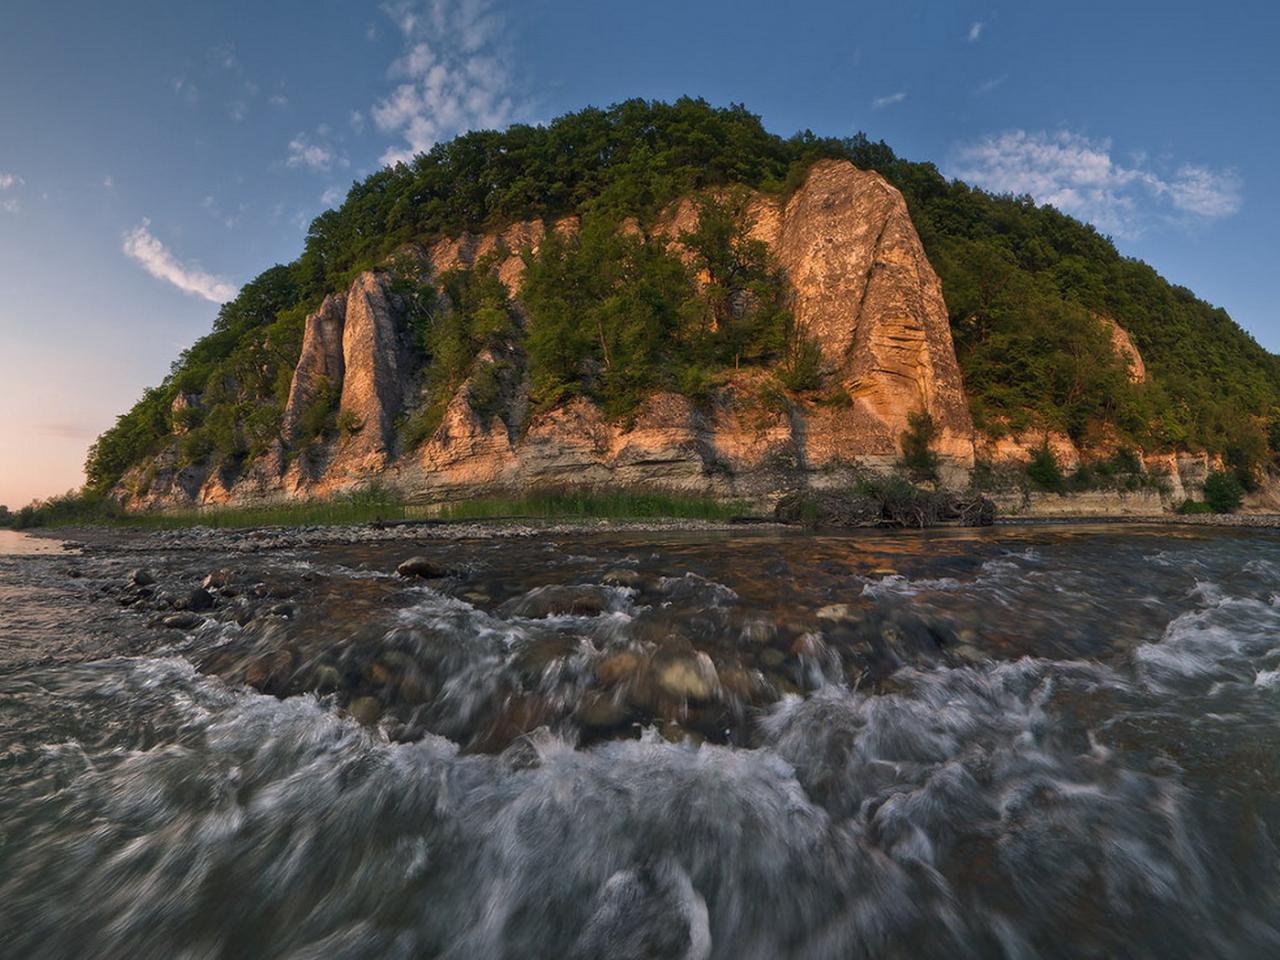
155	155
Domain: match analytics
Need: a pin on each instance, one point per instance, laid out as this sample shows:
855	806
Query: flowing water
1021	742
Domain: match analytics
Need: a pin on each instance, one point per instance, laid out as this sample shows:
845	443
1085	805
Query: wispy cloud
452	72
278	100
879	103
244	90
315	153
142	246
211	206
9	183
67	429
184	88
1079	176
332	197
975	31
986	86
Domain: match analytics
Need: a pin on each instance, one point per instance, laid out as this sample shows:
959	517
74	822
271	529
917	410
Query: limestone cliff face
375	376
1125	349
865	289
320	366
862	288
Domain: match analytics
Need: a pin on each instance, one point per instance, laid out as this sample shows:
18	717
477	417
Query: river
1057	741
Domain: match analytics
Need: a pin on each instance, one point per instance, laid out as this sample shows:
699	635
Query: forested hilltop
612	316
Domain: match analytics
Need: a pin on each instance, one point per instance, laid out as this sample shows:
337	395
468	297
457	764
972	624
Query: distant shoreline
255	539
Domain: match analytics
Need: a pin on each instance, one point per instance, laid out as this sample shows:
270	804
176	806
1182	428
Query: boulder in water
365	710
421	568
197	599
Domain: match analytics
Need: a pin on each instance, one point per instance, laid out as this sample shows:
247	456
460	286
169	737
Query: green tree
1223	491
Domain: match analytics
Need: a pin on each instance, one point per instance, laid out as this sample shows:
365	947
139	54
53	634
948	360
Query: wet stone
617	667
219	579
556	600
197	599
365	710
599	711
182	621
421	568
771	658
687	677
141	577
622	577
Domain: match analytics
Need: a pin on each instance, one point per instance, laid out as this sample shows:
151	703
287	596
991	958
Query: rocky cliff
861	287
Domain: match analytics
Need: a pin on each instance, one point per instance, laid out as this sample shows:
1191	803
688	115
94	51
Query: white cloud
1204	192
986	86
357	121
140	245
186	89
278	100
975	31
8	182
332	197
879	103
452	72
314	154
224	55
1079	176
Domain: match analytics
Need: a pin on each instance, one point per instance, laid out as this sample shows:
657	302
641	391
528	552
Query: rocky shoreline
255	539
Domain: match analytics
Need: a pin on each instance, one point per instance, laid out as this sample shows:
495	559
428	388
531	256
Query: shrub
918	459
349	422
801	368
1223	491
1193	507
1043	470
317	416
195	446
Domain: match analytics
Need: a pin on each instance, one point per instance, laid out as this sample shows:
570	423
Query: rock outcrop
376	372
320	365
1125	349
866	291
862	289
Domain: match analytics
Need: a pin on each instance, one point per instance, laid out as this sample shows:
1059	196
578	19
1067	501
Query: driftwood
886	504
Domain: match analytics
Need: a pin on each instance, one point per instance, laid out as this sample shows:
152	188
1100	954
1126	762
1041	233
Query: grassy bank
369	506
605	504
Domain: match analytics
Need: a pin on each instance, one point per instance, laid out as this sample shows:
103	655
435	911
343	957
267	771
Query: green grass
306	513
602	504
367	506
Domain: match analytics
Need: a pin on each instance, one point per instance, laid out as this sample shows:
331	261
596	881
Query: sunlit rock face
376	371
862	289
866	291
320	365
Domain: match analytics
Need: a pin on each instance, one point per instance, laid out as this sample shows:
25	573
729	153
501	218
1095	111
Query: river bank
254	539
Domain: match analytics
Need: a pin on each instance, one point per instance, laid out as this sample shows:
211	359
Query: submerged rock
365	710
197	599
182	621
557	600
687	677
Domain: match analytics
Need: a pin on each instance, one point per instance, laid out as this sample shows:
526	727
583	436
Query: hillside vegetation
614	315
